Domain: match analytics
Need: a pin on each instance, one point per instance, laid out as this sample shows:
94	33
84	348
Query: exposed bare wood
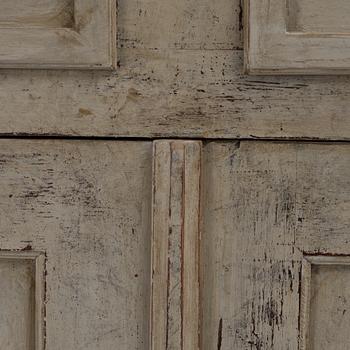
175	246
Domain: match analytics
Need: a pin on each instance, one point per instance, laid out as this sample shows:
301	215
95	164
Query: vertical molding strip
175	245
305	298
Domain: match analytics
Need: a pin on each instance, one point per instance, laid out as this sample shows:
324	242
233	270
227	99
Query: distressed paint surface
329	316
37	13
67	34
88	206
318	16
297	37
175	246
265	205
22	299
16	304
324	302
179	75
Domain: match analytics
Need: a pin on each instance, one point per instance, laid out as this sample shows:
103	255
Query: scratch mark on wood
220	334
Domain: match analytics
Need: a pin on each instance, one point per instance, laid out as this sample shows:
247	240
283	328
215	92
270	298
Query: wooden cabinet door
75	244
297	37
59	34
174	244
275	246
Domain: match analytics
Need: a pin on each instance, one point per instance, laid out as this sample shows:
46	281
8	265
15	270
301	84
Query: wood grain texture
37	13
305	303
180	25
271	49
265	206
179	75
87	205
175	246
22	300
81	35
179	93
318	16
324	302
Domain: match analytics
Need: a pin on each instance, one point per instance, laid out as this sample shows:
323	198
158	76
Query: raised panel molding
22	300
175	245
324	302
297	37
62	34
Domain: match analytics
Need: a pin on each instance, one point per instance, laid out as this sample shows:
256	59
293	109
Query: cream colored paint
267	206
79	35
271	49
180	74
87	206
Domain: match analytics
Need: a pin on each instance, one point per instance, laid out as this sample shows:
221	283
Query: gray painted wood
324	302
175	245
266	206
179	75
278	41
22	300
317	16
59	34
37	13
87	205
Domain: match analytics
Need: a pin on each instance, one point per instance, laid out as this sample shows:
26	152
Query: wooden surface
58	35
318	16
277	41
37	13
88	206
179	75
22	299
265	206
175	246
17	331
324	302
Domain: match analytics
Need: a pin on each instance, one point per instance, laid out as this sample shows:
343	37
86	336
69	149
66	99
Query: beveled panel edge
39	258
81	59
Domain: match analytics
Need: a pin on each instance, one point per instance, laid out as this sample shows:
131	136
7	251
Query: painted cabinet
275	245
61	34
163	199
297	37
75	244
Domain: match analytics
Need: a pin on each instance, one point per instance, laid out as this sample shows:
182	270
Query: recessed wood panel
320	16
21	300
258	224
87	204
325	303
16	304
37	13
58	34
297	37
